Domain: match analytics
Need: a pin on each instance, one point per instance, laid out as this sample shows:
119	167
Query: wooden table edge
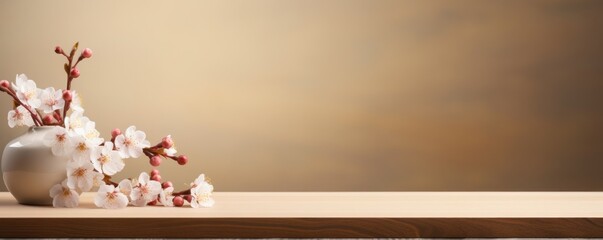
301	227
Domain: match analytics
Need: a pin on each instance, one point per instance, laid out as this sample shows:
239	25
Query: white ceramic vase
30	169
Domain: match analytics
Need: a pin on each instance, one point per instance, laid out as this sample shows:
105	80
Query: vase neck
40	128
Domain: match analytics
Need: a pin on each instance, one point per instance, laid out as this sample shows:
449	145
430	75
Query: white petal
170	152
154	187
99	199
120	201
145	144
108	147
56	190
34	103
96	153
28	121
140	136
97	166
130	131
195	203
11	118
115	165
50	137
135	152
199	180
125	186
58	201
140	202
84	184
143	178
72	200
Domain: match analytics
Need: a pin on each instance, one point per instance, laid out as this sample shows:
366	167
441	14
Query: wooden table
324	214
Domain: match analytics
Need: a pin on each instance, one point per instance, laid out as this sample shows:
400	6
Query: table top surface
343	205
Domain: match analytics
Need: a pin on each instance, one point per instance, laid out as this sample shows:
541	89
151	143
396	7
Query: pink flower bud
152	203
182	159
48	119
67	95
166	185
56	115
188	198
4	84
58	50
156	178
75	73
167	142
116	132
178	201
87	53
154	172
155	161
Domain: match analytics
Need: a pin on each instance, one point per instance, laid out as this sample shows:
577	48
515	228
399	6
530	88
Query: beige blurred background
335	95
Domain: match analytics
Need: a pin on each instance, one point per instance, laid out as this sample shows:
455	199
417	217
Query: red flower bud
75	73
155	161
182	159
4	84
87	53
116	132
56	115
188	198
178	201
167	142
156	178
166	185
152	203
58	50
154	172
48	119
67	95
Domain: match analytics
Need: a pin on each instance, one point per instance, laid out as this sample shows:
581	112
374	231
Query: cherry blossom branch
72	73
57	115
34	116
163	149
185	192
67	97
107	180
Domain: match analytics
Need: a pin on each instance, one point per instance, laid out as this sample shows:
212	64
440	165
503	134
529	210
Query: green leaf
73	50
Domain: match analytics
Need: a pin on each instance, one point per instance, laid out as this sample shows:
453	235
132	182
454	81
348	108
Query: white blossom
200	179
131	143
60	141
106	160
76	102
201	195
20	117
86	139
145	191
51	100
82	149
81	175
27	91
166	198
76	120
125	186
90	133
63	196
110	197
170	151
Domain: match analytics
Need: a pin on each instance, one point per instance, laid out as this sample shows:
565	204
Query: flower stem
185	192
34	116
69	79
107	180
